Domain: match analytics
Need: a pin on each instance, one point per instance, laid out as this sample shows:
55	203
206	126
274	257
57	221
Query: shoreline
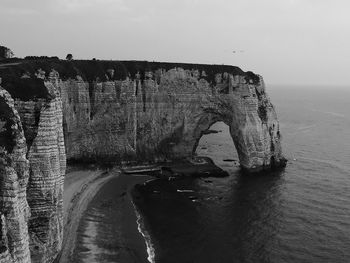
145	234
82	187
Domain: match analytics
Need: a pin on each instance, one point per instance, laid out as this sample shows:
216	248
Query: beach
85	187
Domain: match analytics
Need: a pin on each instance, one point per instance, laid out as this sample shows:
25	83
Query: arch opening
217	143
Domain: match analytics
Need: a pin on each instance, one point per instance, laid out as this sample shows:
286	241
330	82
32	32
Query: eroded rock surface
164	114
40	182
112	111
14	174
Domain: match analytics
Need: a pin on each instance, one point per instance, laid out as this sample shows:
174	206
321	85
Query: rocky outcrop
132	110
162	114
14	174
42	149
47	168
112	111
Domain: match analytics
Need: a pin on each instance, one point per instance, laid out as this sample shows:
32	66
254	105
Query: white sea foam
337	114
185	191
146	236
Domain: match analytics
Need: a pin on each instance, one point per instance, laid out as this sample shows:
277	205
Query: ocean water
301	214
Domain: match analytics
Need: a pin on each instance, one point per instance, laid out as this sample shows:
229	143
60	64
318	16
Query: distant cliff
117	111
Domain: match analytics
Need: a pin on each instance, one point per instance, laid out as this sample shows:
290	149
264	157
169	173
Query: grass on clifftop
91	70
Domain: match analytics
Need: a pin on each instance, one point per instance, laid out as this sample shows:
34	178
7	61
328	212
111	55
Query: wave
184	191
141	228
336	114
306	127
303	129
329	162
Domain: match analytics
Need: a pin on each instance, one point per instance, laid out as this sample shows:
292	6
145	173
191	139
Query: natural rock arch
244	107
153	111
245	154
145	110
256	138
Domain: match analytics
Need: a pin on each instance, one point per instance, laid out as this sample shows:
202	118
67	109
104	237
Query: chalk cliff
14	174
33	167
113	111
162	114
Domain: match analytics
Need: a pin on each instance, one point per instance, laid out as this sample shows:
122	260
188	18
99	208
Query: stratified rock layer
134	110
43	152
14	174
114	112
42	120
164	114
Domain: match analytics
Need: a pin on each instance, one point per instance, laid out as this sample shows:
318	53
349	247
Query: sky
288	42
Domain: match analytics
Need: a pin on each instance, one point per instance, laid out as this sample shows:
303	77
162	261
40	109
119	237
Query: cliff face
132	110
164	114
46	156
38	173
14	174
112	111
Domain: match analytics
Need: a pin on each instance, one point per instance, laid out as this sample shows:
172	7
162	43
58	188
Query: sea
300	214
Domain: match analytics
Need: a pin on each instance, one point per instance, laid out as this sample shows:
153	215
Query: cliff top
11	71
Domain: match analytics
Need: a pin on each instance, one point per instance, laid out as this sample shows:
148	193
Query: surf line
184	191
146	236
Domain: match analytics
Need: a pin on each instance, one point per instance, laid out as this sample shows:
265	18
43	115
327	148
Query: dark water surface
299	215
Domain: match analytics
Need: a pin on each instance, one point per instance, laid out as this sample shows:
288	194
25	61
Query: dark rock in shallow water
210	132
208	181
229	160
195	167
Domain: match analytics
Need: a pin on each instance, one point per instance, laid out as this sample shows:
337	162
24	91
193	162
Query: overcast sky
304	42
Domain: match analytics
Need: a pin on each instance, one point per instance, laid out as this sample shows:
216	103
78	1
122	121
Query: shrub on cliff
5	53
40	57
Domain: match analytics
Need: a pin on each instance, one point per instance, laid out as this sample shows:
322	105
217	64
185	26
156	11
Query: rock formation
112	111
37	153
164	114
14	174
